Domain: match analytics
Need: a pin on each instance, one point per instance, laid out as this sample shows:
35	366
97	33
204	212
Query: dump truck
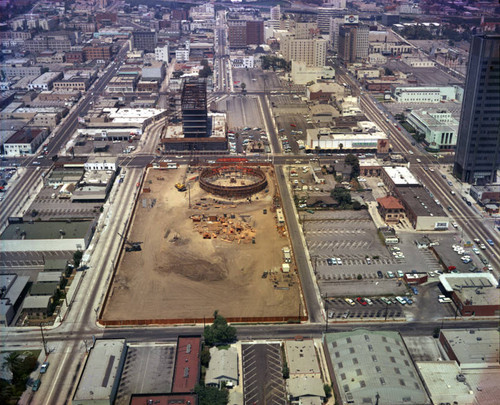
180	186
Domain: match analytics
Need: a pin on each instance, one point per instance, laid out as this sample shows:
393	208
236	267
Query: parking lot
262	374
292	126
376	304
147	370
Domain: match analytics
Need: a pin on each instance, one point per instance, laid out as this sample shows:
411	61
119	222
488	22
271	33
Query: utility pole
43	340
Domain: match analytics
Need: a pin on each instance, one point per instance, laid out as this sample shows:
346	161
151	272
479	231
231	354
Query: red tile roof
187	364
390	202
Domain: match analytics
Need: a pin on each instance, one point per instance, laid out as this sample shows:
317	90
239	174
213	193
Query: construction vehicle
131	246
180	186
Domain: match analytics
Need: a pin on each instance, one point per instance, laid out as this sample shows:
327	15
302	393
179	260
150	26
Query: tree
211	395
286	371
342	195
243	87
328	390
77	258
219	332
353	161
388	72
205	357
356	205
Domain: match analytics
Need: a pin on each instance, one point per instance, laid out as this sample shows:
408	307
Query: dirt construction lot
200	259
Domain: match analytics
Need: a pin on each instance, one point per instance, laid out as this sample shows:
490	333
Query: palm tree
11	361
243	87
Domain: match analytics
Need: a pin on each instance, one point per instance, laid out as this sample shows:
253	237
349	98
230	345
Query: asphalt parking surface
262	374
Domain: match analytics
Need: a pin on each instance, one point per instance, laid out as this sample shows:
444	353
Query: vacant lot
180	273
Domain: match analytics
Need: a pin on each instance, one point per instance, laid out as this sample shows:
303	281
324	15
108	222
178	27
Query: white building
182	55
310	51
438	126
427	94
242	61
98	163
101	375
161	53
25	141
45	81
419	63
276	13
325	139
223	367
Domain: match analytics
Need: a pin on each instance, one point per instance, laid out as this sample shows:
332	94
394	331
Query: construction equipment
180	186
131	246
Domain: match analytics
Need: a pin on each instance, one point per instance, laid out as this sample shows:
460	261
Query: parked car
379	274
390	274
400	273
414	290
44	367
408	300
361	301
401	300
36	385
350	301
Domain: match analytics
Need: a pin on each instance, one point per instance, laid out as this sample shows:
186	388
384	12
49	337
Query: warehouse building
187	364
438	126
371	367
301	358
13	289
101	376
42	236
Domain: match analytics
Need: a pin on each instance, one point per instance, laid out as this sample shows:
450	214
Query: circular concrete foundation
233	181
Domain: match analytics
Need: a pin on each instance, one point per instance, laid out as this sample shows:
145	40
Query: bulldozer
180	186
131	246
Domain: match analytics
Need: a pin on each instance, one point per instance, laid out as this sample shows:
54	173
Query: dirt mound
195	269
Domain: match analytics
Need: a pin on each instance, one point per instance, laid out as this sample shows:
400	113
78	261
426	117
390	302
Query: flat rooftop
474	346
46	230
440	377
401	176
24	135
301	357
187	364
367	363
101	370
474	288
419	200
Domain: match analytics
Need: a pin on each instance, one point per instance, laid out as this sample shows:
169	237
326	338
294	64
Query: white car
339	261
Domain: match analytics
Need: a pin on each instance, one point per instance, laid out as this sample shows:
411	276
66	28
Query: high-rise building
477	155
310	51
161	53
255	32
353	42
194	108
237	33
306	30
242	33
144	40
324	15
276	13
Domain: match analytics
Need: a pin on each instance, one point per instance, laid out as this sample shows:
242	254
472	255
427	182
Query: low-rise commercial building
438	126
100	379
302	359
324	139
25	141
45	81
426	94
390	209
302	73
324	92
223	367
474	294
73	84
37	306
13	289
472	348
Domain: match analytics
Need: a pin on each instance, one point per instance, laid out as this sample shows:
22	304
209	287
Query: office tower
477	156
254	32
353	42
194	108
237	33
144	40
